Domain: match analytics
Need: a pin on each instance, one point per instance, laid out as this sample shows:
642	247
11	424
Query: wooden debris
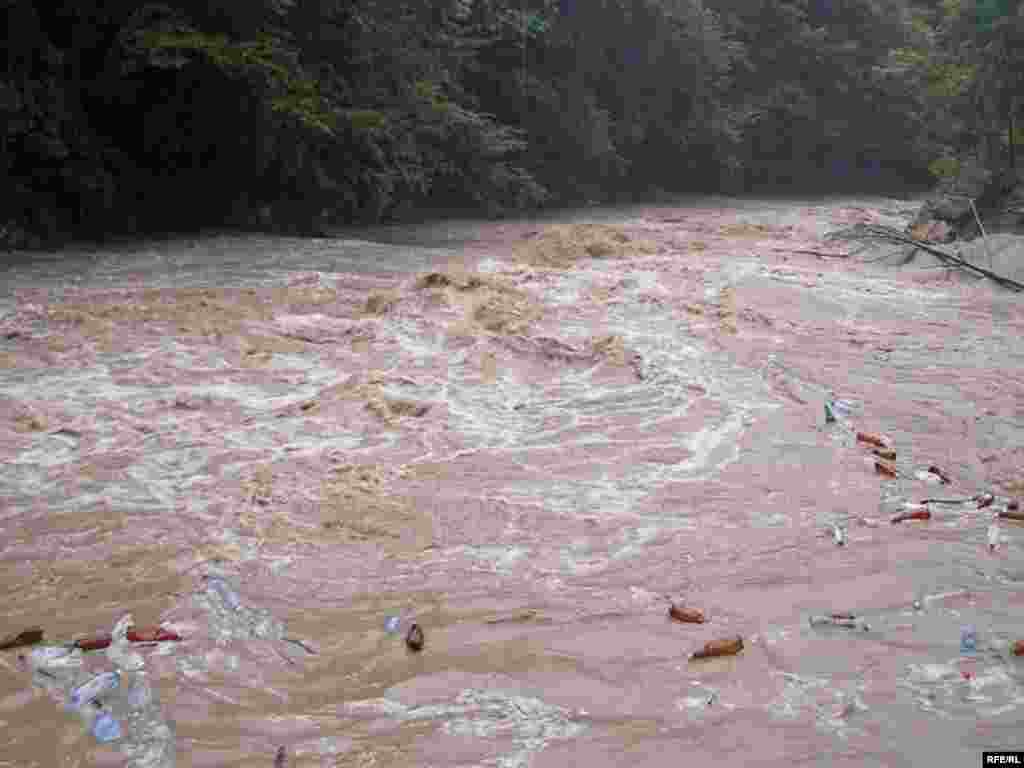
865	232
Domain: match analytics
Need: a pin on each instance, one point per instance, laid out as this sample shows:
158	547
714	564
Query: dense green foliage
299	114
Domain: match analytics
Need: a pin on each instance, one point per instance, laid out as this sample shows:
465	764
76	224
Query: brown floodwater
528	437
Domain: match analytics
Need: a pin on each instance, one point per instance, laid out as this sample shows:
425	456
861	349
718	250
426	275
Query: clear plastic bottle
220	587
95	687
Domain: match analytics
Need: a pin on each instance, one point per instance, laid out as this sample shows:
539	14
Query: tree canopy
300	114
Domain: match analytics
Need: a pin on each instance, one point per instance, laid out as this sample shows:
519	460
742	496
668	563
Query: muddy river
529	438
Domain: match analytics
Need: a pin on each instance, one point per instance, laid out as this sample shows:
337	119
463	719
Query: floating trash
105	728
392	624
49	656
686	615
92	689
993	537
968	640
220	587
838	535
943	477
983	500
845	620
725	647
884	469
917	514
29	636
875	440
414	640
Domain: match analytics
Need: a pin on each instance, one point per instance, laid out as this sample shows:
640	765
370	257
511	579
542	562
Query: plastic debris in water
29	636
917	514
415	639
968	639
1011	514
686	615
105	728
984	500
845	620
281	758
134	635
875	440
884	469
1018	648
92	689
54	656
224	591
830	416
838	535
725	647
943	477
889	454
393	624
993	537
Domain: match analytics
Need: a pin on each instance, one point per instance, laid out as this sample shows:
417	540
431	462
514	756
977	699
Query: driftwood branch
892	235
822	254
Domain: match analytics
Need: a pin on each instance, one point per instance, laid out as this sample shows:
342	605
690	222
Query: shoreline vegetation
304	117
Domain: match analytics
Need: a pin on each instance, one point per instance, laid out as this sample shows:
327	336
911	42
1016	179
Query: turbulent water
529	438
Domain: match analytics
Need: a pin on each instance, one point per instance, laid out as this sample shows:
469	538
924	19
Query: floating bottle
845	620
225	592
47	656
92	689
993	537
968	640
875	440
105	728
916	514
686	615
726	647
838	535
414	640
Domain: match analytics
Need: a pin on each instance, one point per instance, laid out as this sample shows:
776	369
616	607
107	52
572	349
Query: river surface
528	437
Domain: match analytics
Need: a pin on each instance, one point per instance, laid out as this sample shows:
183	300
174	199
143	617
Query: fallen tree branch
895	236
813	253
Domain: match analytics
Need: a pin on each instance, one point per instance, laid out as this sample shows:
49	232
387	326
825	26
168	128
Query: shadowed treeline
300	115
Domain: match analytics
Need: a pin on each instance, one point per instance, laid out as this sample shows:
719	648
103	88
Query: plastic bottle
92	689
105	728
838	535
224	591
49	656
993	537
968	640
845	620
